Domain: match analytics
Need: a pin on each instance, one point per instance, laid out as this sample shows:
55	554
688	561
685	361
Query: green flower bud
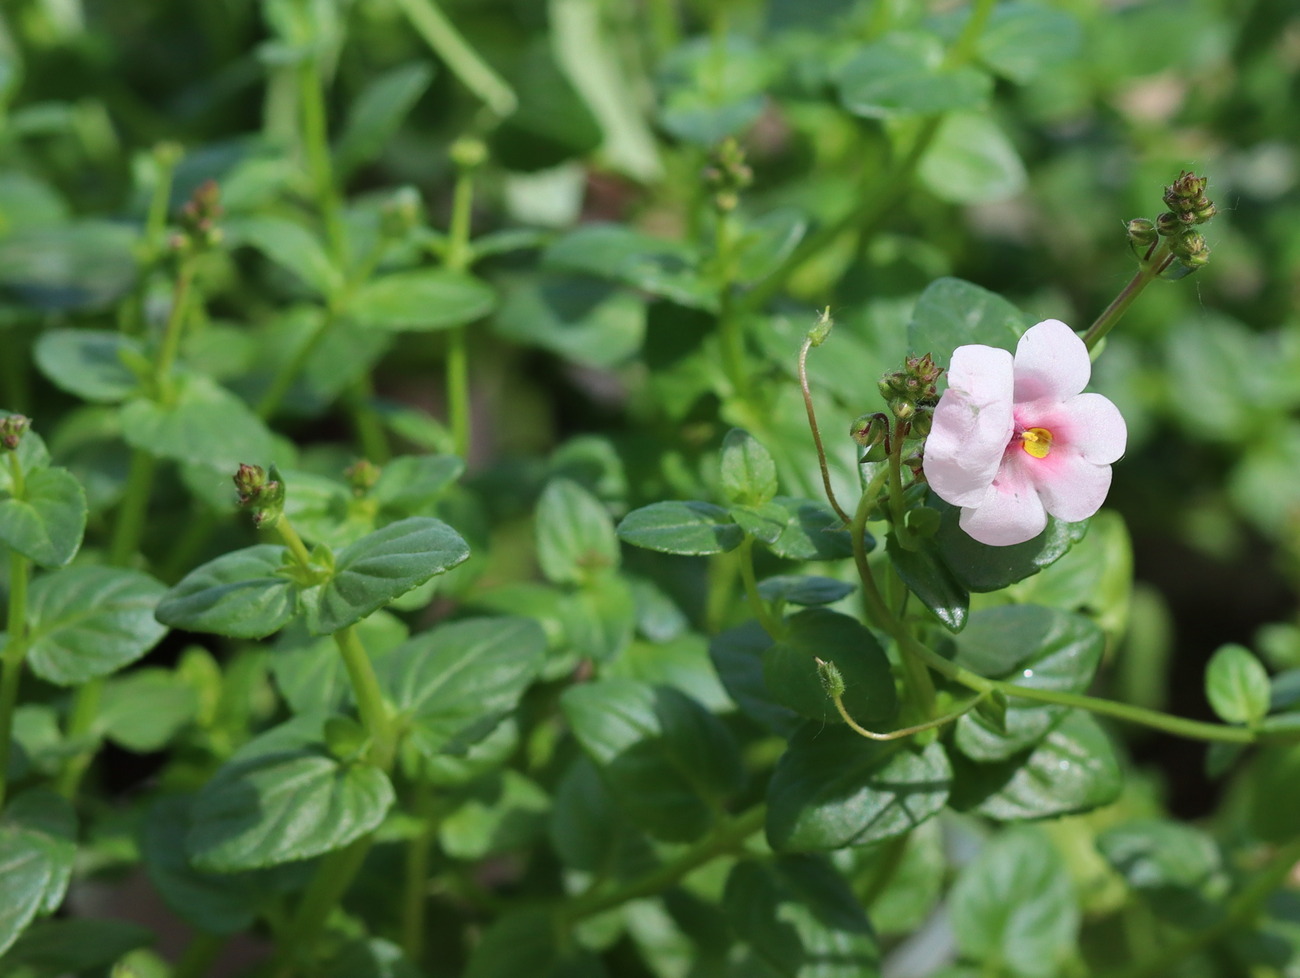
12	427
831	678
265	496
400	214
1169	223
821	329
1141	231
469	153
870	429
362	476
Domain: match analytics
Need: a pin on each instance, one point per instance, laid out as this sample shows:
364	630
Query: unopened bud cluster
362	476
1188	207
12	427
198	220
911	393
727	175
262	494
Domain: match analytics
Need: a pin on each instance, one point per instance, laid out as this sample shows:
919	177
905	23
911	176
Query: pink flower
1016	439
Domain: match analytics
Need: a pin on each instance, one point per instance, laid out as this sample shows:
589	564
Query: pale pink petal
972	425
1051	362
1071	487
1093	427
1010	512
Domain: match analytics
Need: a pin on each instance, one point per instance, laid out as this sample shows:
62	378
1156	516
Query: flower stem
816	432
15	650
920	686
904	731
316	146
729	836
198	955
432	24
897	512
416	873
457	258
333	876
375	716
1147	271
129	527
171	339
757	605
289	536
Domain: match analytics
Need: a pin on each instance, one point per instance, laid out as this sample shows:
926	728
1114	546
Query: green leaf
690	528
377	114
422	300
38	842
282	797
1073	769
89	363
1237	686
1274	793
832	788
928	577
382	566
659	267
145	708
454	683
810	590
712	89
370	958
951	312
501	813
1022	41
552	123
799	918
47	523
598	620
527	942
812	532
661	754
290	246
75	946
410	483
737	656
791	673
980	568
205	425
309	672
1014	906
916	879
748	471
88	622
904	74
575	535
215	903
767	241
1176	868
971	161
1031	646
588	830
241	594
582	319
83	265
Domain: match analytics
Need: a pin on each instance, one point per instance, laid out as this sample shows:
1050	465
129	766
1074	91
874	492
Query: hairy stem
816	432
1147	271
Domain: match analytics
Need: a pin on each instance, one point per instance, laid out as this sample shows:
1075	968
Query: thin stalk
171	339
316	146
457	259
375	716
1147	271
333	876
370	430
896	509
129	526
290	369
899	734
474	73
197	958
155	225
290	538
757	605
15	651
722	576
416	872
816	432
1242	910
920	686
81	720
729	836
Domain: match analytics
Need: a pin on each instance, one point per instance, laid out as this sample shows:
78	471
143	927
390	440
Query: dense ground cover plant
442	539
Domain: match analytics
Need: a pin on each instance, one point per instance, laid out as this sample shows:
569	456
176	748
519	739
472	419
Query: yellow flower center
1037	442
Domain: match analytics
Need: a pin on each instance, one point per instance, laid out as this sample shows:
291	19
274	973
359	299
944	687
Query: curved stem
375	716
757	605
897	512
904	731
726	838
1147	271
816	432
432	24
15	650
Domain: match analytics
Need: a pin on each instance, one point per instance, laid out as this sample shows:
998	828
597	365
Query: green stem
730	329
198	956
155	225
816	432
432	24
129	527
728	837
15	651
81	720
415	890
375	716
370	430
1178	726
290	369
904	731
1243	909
897	512
171	339
301	555
757	605
457	258
333	876
920	686
316	145
1146	273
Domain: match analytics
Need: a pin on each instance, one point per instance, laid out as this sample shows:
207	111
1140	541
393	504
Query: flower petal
1010	512
1071	487
972	425
1092	426
1051	362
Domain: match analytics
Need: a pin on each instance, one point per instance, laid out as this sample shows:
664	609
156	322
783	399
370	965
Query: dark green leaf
1014	906
904	74
382	566
422	300
1274	795
951	313
737	655
503	812
455	683
582	319
1024	40
38	842
75	946
971	161
1073	769
310	673
1177	868
979	568
378	112
143	709
204	425
282	797
587	828
662	755
552	123
1236	684
87	622
85	265
620	254
791	673
291	246
748	471
371	958
812	532
47	523
833	788
240	594
575	534
689	528
527	942
89	363
809	590
712	89
799	919
928	577
1027	645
